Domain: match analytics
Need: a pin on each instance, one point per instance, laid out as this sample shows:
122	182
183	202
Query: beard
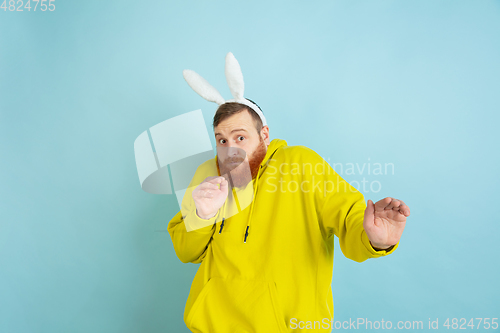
240	170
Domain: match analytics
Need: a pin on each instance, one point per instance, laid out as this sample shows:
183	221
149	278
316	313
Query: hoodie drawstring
221	226
239	209
251	208
247	230
246	234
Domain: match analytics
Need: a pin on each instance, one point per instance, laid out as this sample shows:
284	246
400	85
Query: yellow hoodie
267	264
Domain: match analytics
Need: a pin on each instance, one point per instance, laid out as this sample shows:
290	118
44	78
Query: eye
221	141
240	138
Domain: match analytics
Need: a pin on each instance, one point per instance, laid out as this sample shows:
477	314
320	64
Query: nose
233	151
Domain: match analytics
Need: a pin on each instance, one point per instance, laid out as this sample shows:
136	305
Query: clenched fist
209	196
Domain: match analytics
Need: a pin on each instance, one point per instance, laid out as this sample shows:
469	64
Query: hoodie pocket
234	305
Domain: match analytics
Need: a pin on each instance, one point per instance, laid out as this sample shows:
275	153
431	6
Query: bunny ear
202	87
234	77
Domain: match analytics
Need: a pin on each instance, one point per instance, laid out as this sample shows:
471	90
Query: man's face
240	148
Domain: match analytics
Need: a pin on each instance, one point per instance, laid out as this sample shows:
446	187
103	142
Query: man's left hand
385	221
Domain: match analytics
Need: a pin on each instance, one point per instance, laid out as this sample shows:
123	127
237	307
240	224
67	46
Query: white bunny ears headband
234	78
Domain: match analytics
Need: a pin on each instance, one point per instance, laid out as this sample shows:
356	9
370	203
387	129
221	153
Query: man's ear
264	133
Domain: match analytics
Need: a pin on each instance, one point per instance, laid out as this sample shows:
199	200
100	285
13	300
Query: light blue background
413	83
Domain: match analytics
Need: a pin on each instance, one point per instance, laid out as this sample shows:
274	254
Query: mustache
233	160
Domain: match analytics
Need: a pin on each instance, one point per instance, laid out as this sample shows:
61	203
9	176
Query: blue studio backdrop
411	86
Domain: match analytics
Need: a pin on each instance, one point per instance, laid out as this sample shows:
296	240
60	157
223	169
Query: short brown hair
226	110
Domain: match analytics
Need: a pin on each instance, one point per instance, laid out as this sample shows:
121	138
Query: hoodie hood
274	146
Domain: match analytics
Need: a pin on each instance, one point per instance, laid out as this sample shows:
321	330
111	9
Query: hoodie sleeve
191	246
190	233
341	209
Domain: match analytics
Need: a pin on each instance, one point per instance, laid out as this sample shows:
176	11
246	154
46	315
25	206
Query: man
268	258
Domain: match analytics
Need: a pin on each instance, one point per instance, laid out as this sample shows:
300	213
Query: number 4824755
20	6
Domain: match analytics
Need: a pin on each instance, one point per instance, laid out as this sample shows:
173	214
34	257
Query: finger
205	186
203	194
216	180
404	209
209	178
401	207
223	185
381	204
395	203
207	193
370	211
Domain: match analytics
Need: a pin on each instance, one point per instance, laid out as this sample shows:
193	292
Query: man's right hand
208	197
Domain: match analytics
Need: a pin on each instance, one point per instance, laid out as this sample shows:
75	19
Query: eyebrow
235	130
